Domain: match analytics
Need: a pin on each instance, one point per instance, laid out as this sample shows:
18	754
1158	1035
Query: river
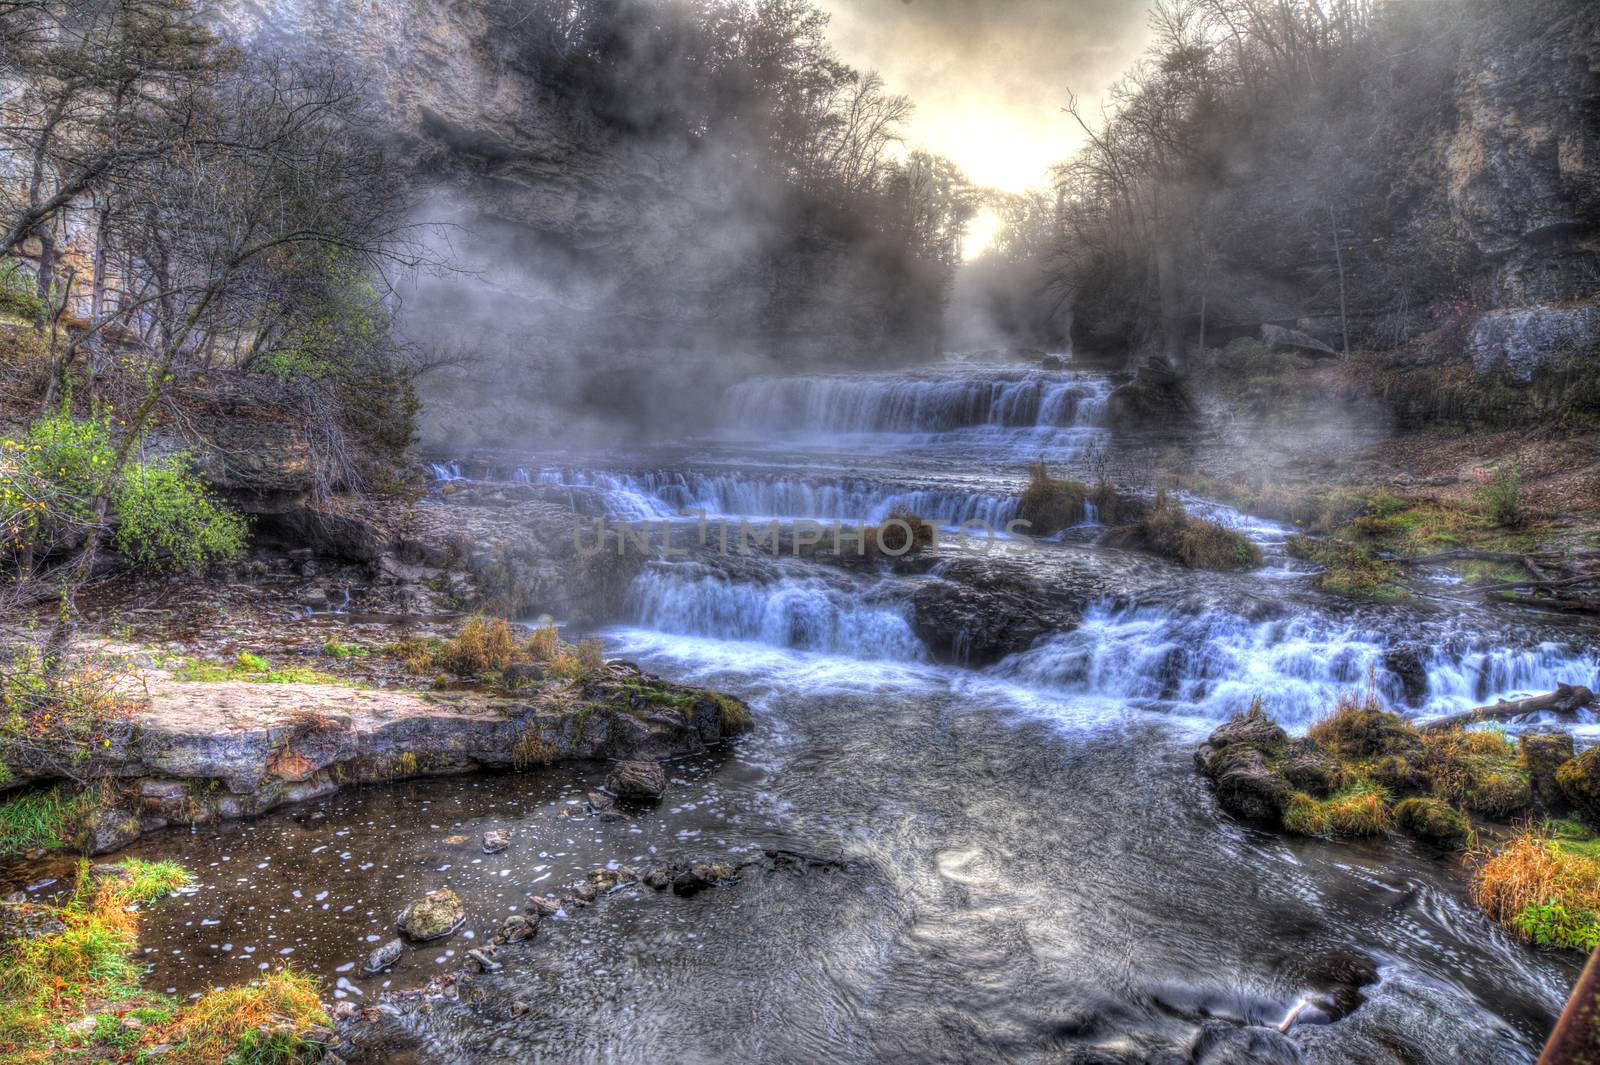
1033	871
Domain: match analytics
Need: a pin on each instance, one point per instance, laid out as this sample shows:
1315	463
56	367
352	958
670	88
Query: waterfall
658	494
805	613
918	403
1218	662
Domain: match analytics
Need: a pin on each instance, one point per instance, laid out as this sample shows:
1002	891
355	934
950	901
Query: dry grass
266	1021
1534	886
533	749
591	654
483	644
544	644
1360	727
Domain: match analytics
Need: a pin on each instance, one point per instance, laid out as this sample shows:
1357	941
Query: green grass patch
1350	570
334	649
43	818
254	668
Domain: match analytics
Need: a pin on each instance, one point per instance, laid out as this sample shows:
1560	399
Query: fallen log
1566	699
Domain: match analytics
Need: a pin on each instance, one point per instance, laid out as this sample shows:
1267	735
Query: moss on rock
1432	820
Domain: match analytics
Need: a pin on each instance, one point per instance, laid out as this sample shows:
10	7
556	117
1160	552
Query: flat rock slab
199	751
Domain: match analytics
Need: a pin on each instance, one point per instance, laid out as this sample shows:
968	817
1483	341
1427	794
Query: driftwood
1566	699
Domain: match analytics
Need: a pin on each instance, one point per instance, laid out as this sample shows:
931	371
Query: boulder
699	876
637	779
1524	340
1252	727
383	957
1543	755
1245	785
1432	820
1579	780
109	830
434	916
1405	663
517	928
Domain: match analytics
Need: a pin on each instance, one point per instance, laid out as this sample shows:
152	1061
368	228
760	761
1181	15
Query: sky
989	77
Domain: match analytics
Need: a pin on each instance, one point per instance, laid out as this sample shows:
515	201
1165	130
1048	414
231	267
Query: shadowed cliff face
618	266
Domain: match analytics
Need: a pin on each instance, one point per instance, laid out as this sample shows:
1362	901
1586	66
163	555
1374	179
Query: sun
982	231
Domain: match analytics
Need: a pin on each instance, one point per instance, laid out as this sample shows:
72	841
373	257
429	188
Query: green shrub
167	520
1550	925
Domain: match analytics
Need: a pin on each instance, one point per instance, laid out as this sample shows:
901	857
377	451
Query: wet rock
605	880
14	898
599	802
519	1008
517	929
434	916
1579	780
383	957
1406	665
1245	785
27	920
481	960
978	619
1252	727
658	877
109	830
1433	821
543	905
637	780
496	840
699	876
583	894
1543	754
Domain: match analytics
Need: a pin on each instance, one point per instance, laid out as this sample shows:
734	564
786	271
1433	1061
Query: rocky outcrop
199	751
977	618
1524	341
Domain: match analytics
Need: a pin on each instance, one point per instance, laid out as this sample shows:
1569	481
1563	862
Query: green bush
167	520
52	474
1551	925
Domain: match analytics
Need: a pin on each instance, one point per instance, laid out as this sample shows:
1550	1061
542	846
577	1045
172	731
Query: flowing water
1033	872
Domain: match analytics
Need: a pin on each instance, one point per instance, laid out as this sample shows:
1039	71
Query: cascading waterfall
920	403
658	494
804	613
1217	662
